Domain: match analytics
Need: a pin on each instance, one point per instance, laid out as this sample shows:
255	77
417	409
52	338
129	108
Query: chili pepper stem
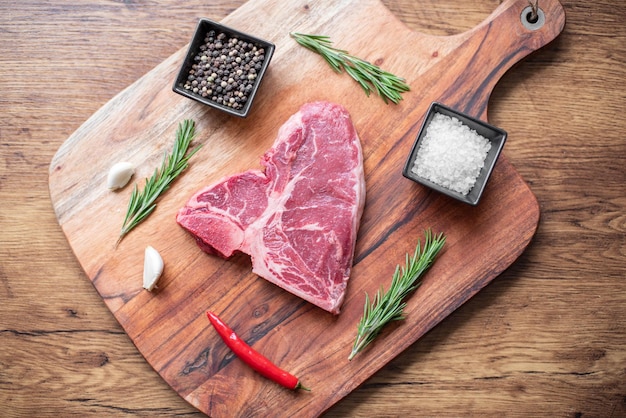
301	386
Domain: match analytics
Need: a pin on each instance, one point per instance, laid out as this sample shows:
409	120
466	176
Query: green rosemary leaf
360	78
388	307
143	203
369	76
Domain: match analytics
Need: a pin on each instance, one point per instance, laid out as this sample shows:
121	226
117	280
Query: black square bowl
242	106
496	135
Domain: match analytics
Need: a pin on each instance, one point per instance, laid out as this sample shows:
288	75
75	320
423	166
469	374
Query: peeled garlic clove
119	175
152	268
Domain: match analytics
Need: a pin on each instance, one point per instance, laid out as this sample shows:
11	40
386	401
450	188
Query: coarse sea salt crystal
451	154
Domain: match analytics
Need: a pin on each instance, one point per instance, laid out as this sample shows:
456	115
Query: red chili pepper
253	358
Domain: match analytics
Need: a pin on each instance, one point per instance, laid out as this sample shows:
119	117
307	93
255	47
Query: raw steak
298	219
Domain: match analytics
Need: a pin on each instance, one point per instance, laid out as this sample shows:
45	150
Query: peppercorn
226	71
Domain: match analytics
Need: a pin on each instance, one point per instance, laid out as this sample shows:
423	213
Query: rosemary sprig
388	307
369	76
142	203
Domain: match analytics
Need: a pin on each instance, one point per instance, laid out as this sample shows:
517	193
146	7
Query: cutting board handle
495	45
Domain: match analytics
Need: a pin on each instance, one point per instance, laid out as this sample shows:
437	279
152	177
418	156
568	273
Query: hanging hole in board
531	20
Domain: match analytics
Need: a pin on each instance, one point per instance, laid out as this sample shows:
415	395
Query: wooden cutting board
169	326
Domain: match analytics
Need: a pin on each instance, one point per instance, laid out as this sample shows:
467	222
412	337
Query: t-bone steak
298	218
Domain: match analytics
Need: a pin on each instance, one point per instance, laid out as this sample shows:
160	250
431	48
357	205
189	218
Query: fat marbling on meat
297	218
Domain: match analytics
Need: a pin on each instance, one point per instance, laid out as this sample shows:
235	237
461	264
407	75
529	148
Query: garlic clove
119	175
152	268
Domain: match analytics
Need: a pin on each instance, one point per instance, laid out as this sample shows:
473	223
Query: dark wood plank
545	338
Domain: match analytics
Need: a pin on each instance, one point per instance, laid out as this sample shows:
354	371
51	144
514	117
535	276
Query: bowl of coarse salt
454	153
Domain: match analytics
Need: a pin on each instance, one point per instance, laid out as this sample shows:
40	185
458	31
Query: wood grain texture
546	338
169	327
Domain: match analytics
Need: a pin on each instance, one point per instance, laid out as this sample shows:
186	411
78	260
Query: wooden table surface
546	338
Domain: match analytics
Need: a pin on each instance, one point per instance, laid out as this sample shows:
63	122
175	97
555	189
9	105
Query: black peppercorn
227	71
